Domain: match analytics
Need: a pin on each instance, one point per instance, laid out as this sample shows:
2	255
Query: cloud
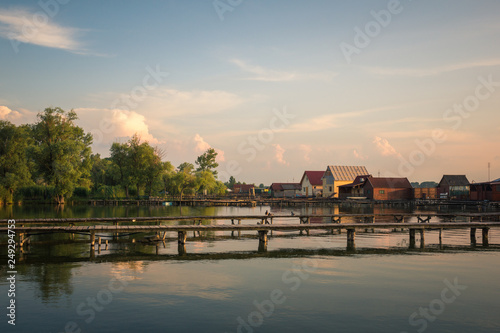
278	154
358	155
172	102
107	125
8	114
269	75
24	26
307	151
202	146
385	147
422	72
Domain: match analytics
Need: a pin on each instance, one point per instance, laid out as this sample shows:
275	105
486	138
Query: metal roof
454	180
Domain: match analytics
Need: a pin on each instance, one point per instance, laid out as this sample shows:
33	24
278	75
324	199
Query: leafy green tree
14	168
186	167
61	151
120	169
231	182
206	162
184	181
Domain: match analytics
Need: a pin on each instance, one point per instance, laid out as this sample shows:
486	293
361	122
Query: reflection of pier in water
334	223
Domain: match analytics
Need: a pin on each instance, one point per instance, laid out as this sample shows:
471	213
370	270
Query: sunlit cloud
306	149
384	147
422	72
24	26
8	114
279	154
358	155
201	146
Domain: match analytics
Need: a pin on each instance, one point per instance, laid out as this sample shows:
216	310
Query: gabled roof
342	172
314	177
385	182
285	186
242	187
454	180
359	180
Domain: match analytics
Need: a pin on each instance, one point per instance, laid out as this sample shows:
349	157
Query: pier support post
182	236
422	238
92	238
181	248
485	236
263	236
473	236
412	238
351	237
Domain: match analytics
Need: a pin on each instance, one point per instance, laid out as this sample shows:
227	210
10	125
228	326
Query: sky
405	88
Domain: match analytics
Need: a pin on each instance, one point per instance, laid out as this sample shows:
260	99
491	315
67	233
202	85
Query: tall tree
206	162
121	168
14	169
61	151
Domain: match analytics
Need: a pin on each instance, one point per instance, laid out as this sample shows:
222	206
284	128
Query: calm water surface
224	284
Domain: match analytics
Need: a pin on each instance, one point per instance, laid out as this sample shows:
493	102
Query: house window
381	191
304	189
331	189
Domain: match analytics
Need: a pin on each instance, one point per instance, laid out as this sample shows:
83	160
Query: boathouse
355	189
285	190
384	188
311	183
485	191
338	175
454	187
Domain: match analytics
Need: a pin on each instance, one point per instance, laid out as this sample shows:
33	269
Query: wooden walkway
26	227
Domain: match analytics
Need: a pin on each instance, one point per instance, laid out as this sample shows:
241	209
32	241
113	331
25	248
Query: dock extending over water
261	224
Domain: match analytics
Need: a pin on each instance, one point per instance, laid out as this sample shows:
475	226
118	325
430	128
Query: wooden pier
262	225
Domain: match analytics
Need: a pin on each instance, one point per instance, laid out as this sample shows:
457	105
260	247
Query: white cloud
171	102
107	125
202	146
24	26
278	154
269	75
385	147
422	72
8	114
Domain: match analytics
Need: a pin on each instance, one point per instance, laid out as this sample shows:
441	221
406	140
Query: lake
225	284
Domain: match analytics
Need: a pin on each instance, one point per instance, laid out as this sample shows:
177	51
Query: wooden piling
263	236
485	236
473	235
182	236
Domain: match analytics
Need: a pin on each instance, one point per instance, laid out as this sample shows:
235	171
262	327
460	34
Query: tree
14	168
206	162
121	169
230	184
186	167
61	151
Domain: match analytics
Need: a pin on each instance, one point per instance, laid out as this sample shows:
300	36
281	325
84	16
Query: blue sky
406	88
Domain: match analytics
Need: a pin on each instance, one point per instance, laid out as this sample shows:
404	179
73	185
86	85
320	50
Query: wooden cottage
485	191
311	183
383	188
454	187
285	190
355	189
336	176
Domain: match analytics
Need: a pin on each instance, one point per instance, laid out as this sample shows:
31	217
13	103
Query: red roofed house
285	190
388	189
338	175
311	183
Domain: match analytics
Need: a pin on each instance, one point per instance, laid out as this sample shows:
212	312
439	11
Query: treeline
52	160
